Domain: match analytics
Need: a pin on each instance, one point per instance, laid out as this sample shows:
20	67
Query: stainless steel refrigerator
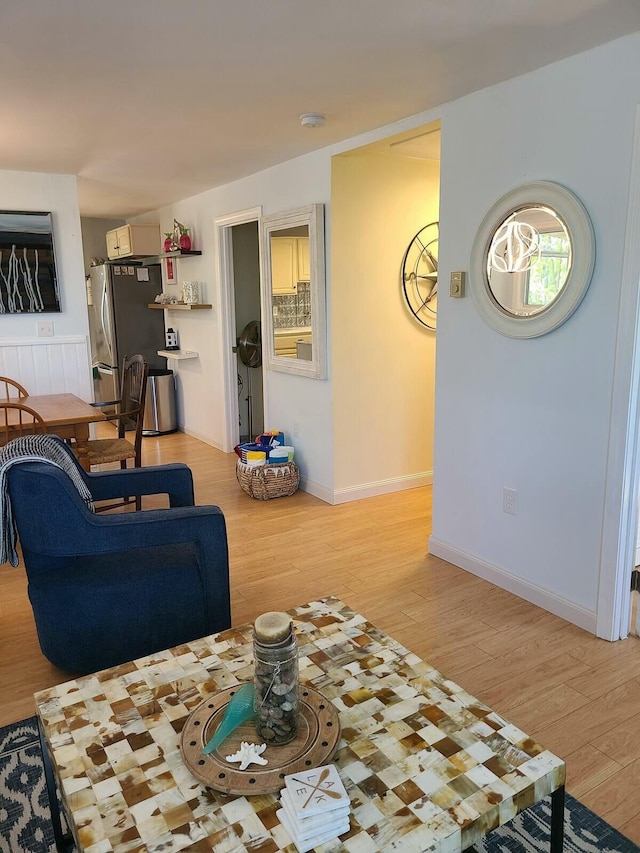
121	324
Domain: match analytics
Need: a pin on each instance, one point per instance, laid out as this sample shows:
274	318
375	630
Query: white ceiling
151	101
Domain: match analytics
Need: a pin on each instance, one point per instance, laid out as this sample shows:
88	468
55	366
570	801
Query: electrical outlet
296	431
45	328
510	501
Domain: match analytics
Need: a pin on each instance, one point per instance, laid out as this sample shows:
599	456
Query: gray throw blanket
31	448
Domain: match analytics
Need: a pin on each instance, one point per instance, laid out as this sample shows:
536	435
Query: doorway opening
238	251
248	348
383	357
621	536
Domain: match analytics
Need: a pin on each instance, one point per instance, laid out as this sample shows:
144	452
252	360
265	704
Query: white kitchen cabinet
304	267
133	240
284	264
289	263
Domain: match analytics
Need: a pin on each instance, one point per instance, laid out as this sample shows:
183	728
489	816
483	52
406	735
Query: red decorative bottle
185	240
168	241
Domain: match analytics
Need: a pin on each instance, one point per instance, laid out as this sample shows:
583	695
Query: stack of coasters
315	807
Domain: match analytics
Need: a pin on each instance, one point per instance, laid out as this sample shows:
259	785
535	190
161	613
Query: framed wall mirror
293	291
532	260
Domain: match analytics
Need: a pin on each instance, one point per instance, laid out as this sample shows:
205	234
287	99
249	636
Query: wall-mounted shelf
177	353
179	253
177	306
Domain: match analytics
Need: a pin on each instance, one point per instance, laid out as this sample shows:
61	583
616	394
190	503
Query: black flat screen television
28	278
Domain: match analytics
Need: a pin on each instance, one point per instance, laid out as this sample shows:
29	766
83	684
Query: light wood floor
577	695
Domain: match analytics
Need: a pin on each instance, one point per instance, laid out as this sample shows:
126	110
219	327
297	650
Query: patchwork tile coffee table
427	767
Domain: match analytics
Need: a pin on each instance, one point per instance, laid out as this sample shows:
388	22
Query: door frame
223	250
620	521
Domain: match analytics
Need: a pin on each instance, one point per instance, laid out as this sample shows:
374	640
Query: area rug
25	825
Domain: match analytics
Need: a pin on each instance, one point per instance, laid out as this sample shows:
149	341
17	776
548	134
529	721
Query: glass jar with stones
275	653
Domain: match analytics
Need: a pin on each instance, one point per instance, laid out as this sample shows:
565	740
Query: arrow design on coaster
317	788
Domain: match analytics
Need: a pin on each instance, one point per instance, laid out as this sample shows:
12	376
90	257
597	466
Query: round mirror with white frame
532	260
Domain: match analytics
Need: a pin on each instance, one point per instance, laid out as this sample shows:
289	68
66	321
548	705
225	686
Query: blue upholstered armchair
106	589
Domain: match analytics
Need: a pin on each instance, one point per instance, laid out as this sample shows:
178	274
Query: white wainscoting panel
49	365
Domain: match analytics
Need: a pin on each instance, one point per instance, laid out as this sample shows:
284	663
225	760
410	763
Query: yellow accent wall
383	360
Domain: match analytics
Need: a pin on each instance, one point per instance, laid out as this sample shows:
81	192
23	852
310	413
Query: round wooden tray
315	743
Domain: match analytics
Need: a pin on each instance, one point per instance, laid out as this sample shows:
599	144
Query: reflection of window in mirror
546	277
529	261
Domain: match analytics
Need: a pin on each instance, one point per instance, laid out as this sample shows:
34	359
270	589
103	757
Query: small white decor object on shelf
315	807
191	292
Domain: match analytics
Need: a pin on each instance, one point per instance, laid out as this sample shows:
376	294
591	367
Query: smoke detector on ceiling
312	120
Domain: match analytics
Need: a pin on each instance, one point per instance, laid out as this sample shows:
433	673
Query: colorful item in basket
252	452
281	454
271	438
254	455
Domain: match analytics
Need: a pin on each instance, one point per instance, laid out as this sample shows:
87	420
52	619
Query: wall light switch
45	328
456	284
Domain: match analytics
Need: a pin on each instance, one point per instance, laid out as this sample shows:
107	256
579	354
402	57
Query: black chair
106	589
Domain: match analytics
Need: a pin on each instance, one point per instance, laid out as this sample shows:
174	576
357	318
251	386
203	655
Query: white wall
57	194
527	414
292	399
533	414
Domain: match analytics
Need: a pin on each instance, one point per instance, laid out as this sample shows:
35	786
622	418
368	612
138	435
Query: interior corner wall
533	415
383	359
94	238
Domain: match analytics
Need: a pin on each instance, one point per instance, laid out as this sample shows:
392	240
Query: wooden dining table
67	416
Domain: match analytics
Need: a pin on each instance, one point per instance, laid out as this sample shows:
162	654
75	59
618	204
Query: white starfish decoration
249	753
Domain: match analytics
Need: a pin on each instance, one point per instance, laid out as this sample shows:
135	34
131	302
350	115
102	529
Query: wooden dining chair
11	388
129	416
17	419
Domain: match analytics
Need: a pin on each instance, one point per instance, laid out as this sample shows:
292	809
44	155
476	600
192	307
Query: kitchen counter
285	340
291	330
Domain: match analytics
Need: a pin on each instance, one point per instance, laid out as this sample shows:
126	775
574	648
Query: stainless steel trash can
160	405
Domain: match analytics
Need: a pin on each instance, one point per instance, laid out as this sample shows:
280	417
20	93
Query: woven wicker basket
264	482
